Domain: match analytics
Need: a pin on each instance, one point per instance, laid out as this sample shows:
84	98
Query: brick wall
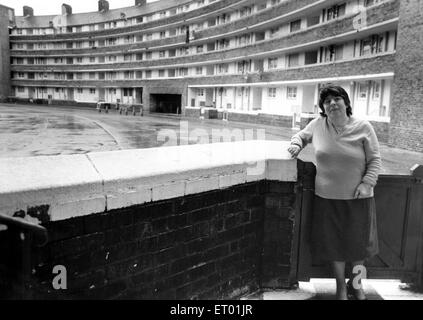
406	129
215	245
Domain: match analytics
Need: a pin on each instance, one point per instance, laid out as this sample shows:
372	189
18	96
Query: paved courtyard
37	130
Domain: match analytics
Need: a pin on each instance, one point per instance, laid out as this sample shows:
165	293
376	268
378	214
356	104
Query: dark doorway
166	103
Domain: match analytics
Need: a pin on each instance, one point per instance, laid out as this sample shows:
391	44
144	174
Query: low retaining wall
209	221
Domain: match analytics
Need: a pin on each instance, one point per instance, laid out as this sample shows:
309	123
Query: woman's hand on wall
294	150
363	191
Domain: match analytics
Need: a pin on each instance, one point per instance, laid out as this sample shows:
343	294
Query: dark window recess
69	60
311	57
210	46
260	36
69	76
69	45
210	70
101	76
171	73
295	25
312	21
172	52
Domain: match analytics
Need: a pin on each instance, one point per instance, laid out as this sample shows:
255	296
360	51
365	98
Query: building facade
261	61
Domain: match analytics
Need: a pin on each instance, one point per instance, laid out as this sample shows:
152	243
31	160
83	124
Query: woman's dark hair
335	91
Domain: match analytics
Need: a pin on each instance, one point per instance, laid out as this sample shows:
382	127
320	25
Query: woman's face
335	106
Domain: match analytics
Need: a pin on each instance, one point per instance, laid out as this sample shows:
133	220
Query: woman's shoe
353	293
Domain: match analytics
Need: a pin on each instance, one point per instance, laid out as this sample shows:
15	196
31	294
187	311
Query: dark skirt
343	230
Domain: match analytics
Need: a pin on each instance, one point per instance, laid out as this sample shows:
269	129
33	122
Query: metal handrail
36	229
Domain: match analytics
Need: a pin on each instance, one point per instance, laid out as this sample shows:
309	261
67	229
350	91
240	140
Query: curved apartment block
245	60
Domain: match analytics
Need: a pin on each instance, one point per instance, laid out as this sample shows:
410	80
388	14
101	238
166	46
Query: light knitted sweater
343	160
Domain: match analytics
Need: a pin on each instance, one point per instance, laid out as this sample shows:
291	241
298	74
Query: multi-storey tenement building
258	61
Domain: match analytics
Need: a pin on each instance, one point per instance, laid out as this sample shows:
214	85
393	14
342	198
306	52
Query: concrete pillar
28	11
407	110
103	5
5	15
66	9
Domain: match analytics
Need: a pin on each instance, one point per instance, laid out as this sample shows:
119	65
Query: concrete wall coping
61	187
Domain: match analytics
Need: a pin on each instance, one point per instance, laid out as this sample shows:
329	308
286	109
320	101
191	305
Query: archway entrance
165	103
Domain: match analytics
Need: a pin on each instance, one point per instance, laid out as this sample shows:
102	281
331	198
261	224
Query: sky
51	7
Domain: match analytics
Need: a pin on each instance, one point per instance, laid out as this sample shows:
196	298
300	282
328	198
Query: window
80	90
79	60
291	93
363	89
148	55
127	92
183	71
162	54
274	32
21	75
129	74
376	90
78	44
335	12
199	49
127	57
271	92
21	89
111	41
92	90
162	34
129	39
161	73
293	60
311	57
138	56
273	63
200	92
19	46
162	14
295	25
246	11
58	60
312	21
112	58
92	75
111	75
92	59
149	36
138	74
79	76
223	68
372	45
199	70
148	74
368	3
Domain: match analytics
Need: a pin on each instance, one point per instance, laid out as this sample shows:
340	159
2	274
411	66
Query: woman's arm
305	136
373	159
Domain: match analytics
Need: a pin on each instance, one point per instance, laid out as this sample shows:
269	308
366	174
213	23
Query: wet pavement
35	130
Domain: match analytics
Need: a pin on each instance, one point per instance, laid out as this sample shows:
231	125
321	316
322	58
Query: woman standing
347	167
